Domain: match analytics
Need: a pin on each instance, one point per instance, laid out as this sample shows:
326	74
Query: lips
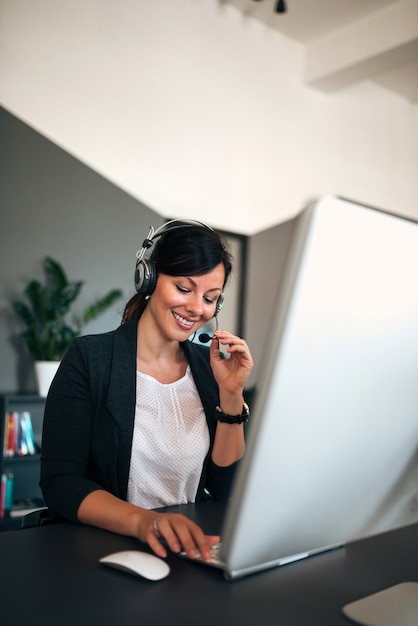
183	321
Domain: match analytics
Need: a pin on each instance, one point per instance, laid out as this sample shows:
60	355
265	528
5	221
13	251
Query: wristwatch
220	416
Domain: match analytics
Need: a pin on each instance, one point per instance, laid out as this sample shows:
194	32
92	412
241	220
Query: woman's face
180	305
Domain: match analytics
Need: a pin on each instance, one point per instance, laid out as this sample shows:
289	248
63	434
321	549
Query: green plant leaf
101	305
38	297
48	332
62	300
55	276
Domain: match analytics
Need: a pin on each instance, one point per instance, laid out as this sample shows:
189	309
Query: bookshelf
20	464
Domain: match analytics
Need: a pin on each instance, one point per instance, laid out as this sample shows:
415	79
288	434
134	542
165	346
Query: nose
195	304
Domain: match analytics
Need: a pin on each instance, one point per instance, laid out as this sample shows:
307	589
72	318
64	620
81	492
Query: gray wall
266	259
52	204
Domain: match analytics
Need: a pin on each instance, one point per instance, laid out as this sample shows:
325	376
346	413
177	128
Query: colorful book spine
6	494
11	429
18	434
8	498
30	441
2	495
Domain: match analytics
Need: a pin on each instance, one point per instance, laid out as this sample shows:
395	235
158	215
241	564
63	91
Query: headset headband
165	228
145	276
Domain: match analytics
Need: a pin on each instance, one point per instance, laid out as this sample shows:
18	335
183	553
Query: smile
182	320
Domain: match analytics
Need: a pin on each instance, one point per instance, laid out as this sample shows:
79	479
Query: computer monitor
332	450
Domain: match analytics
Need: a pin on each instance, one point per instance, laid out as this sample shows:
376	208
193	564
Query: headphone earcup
219	304
145	277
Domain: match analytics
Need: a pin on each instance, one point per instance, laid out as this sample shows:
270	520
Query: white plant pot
44	373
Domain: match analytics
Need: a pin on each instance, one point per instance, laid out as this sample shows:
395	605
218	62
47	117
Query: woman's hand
175	531
159	530
231	373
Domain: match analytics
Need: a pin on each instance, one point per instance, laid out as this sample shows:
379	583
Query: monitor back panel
332	447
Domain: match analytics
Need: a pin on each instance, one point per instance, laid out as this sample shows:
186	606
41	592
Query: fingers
218	350
236	344
152	538
178	532
240	363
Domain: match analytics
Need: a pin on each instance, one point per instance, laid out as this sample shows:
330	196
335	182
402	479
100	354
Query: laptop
332	446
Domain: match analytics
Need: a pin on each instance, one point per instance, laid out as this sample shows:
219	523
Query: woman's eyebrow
195	284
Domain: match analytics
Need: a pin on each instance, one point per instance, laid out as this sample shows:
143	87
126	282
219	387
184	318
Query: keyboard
215	558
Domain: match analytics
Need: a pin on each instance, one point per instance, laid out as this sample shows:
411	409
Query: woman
140	417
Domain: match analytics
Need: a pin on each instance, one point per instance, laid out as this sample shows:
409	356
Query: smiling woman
141	418
179	306
189	302
183	249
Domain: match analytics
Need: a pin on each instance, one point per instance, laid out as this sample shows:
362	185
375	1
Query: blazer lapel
121	396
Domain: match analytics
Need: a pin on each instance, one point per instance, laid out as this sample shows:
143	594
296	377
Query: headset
146	274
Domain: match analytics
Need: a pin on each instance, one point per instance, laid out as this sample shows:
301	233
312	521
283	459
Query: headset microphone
204	337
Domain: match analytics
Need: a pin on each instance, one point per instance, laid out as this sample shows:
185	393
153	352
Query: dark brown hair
189	251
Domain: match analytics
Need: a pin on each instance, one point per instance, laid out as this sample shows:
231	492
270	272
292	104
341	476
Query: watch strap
220	416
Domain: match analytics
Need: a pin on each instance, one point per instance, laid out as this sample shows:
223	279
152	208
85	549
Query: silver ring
155	526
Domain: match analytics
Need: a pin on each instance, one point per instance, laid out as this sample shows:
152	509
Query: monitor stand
394	606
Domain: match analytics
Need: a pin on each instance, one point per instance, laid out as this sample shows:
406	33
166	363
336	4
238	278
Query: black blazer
89	420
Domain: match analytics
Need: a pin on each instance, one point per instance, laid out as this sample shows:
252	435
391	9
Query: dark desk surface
51	576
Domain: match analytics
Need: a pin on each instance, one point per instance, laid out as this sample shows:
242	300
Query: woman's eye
186	290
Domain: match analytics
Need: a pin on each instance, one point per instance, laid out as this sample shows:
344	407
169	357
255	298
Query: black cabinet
21	468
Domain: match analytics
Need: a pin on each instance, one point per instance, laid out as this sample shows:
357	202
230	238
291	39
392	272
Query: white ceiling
375	39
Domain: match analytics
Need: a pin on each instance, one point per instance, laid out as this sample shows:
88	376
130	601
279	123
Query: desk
51	577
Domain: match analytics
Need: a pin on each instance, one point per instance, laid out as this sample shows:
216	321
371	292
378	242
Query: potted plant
48	329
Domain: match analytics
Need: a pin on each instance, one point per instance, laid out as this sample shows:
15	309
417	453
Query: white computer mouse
138	563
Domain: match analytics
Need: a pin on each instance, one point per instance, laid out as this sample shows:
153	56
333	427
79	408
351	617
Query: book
27	443
18	434
6	494
11	434
2	495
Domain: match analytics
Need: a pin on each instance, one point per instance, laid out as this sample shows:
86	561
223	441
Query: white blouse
170	442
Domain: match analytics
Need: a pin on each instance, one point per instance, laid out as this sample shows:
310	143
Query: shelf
26	468
13	519
16	460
